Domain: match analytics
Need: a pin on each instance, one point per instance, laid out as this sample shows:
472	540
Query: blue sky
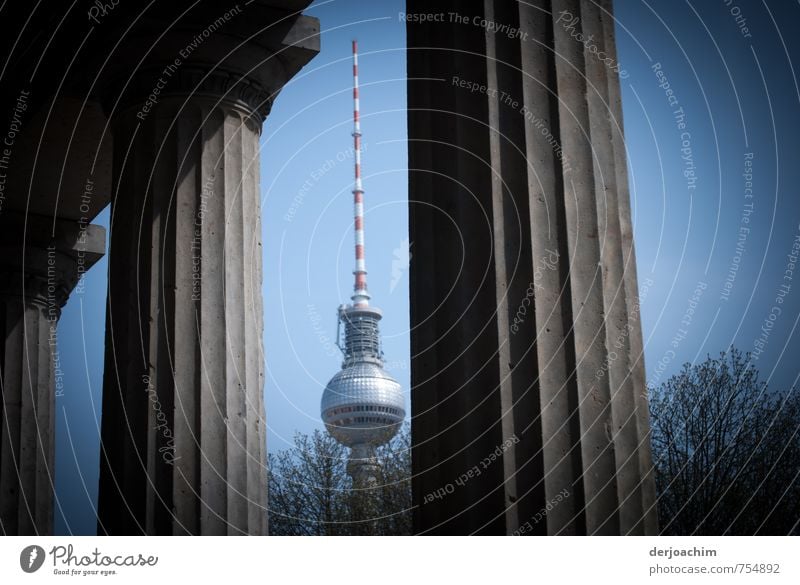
740	101
308	210
738	95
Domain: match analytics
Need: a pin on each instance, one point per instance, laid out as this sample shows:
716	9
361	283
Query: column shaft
525	286
183	410
26	459
555	353
185	327
635	341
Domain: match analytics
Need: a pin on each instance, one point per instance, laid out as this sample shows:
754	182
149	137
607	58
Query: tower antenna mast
360	295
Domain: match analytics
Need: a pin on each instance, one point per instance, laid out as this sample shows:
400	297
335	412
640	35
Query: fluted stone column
183	439
528	392
41	261
635	341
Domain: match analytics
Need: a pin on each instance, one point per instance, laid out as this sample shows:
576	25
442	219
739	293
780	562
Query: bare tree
726	451
310	492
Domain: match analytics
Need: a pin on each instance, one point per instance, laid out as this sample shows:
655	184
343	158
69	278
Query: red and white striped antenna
360	295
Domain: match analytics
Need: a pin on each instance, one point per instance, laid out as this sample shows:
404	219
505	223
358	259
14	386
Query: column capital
234	52
43	258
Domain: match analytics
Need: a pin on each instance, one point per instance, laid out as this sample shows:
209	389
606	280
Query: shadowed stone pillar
41	260
184	446
528	392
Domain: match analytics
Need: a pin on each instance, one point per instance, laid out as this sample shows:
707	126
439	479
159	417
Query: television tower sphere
362	406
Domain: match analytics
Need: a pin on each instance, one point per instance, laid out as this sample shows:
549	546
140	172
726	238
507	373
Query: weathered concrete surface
528	397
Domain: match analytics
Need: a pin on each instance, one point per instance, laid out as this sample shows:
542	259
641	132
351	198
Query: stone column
183	438
41	260
635	341
528	397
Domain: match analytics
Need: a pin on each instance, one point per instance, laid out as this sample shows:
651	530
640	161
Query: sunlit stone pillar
183	439
41	261
528	396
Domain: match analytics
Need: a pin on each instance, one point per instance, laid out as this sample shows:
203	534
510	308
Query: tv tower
362	406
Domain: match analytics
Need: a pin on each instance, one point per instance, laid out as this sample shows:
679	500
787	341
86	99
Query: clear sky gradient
739	98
